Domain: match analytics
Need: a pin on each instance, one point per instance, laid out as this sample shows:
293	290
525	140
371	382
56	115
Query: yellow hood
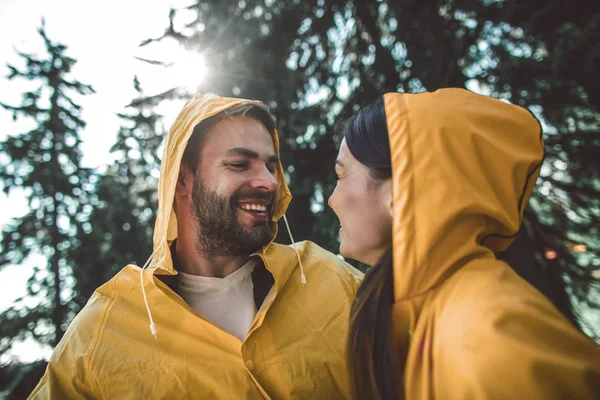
451	206
196	110
465	325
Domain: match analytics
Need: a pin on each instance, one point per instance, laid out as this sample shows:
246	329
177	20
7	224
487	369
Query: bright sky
104	38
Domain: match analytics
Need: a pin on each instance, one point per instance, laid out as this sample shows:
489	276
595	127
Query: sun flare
168	65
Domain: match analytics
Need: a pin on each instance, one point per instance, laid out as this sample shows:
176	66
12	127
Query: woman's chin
348	252
355	254
344	250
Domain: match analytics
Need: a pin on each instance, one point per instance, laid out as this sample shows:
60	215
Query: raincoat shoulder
504	339
319	264
70	371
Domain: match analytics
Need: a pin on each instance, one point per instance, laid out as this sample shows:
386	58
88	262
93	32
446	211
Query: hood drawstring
153	329
302	276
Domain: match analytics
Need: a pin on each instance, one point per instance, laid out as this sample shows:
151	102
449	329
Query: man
221	311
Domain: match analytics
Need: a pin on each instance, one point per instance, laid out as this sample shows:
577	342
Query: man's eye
238	166
272	168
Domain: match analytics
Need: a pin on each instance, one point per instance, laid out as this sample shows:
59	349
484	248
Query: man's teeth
253	207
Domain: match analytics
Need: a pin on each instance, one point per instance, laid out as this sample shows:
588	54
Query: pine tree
46	163
121	226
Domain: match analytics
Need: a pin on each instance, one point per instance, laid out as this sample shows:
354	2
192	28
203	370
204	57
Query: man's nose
265	179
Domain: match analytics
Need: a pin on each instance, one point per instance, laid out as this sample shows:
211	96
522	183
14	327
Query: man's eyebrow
240	151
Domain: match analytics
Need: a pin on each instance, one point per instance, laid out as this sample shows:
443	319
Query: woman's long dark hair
372	372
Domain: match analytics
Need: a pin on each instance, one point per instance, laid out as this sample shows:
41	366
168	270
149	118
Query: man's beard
218	230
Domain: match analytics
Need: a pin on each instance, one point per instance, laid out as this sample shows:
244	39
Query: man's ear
185	180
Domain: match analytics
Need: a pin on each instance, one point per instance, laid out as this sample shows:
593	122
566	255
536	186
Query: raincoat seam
412	184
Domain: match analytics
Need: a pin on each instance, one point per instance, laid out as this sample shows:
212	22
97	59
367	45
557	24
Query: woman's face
363	205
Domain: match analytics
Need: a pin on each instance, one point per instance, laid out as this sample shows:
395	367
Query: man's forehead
239	132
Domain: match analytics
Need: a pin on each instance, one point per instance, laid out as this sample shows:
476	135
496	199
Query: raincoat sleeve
518	347
69	374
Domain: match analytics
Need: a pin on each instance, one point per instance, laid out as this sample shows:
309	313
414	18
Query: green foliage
46	163
18	380
312	62
121	225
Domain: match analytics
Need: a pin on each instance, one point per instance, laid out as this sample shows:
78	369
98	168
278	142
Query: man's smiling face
235	188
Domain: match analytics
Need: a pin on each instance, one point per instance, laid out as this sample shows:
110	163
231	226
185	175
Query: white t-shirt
225	302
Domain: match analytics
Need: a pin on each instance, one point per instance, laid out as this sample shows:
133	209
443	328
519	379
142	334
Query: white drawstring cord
153	329
302	276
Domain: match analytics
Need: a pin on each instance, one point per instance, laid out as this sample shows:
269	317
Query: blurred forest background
312	62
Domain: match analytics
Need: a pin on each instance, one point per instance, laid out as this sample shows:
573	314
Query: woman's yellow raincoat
296	346
466	326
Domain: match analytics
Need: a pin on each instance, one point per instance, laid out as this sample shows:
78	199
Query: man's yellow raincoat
296	346
466	326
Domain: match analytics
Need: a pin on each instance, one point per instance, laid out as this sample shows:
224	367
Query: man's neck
191	262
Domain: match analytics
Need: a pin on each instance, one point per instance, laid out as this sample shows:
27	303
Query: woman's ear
387	196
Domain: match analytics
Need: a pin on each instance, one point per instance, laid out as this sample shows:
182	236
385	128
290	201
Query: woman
430	185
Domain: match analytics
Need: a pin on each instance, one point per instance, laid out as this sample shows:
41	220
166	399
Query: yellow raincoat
466	325
295	348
